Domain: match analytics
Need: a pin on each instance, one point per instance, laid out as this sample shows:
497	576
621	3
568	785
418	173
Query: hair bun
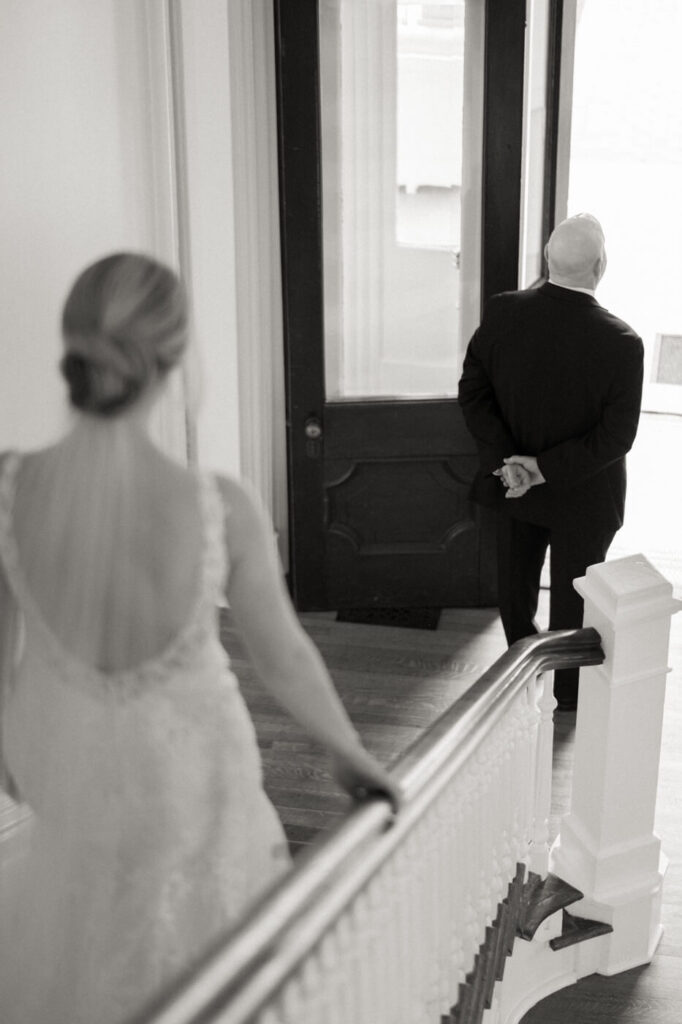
95	388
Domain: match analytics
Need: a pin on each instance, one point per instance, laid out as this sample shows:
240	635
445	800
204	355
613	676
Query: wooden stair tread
476	991
541	898
578	929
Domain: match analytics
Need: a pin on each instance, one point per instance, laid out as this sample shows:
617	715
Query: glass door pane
393	80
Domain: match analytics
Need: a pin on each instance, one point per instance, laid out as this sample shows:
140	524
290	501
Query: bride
123	728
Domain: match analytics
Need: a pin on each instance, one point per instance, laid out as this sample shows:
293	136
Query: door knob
313	428
313	434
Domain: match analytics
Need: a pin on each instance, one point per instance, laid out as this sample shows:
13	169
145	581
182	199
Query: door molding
505	31
258	293
297	62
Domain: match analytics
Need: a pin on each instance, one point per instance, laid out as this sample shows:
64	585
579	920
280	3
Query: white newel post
606	846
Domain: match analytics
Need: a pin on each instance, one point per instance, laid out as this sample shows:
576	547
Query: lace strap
10	625
9	464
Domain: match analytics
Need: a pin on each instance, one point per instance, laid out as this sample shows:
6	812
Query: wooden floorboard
394	683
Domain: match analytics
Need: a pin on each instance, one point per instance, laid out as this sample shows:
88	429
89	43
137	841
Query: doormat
407	618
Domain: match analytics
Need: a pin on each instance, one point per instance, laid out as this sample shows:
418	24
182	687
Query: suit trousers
521	551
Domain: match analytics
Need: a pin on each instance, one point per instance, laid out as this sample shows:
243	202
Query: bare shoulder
7	456
246	521
239	497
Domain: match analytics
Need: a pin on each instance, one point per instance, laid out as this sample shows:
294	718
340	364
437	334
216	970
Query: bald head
575	252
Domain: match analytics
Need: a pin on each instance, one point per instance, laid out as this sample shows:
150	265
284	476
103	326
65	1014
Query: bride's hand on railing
362	776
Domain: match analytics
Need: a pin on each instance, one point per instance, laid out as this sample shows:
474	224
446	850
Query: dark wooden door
379	509
399	529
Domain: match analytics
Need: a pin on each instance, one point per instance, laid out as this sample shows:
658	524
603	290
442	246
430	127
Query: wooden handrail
247	967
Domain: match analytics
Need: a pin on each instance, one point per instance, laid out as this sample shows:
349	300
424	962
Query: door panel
400	530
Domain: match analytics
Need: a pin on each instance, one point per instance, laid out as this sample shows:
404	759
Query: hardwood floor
394	683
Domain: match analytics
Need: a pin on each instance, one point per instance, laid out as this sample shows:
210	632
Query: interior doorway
378	303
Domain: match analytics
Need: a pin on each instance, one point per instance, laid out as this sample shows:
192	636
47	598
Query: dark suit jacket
551	373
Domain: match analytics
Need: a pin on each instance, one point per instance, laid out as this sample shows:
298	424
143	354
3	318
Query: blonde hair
124	325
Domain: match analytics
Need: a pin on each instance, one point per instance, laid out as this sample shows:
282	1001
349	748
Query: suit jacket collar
555	291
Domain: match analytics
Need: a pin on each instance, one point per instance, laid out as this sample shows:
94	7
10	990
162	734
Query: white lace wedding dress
150	830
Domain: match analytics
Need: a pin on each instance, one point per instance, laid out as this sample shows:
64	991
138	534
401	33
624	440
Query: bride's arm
284	657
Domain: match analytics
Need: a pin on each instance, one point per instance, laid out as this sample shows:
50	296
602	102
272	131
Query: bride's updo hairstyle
125	325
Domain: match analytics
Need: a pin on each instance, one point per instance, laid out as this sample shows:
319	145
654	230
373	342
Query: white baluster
418	961
293	1003
458	882
271	1015
334	977
538	854
346	980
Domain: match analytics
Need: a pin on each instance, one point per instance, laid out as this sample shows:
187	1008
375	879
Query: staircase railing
411	920
381	919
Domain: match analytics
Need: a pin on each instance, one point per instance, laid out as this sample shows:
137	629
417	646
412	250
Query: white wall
75	181
140	124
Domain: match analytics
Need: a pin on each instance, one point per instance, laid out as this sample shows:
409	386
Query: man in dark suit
551	392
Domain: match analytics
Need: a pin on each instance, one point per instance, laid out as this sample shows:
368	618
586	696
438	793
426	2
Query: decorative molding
205	157
257	268
153	21
180	206
564	108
